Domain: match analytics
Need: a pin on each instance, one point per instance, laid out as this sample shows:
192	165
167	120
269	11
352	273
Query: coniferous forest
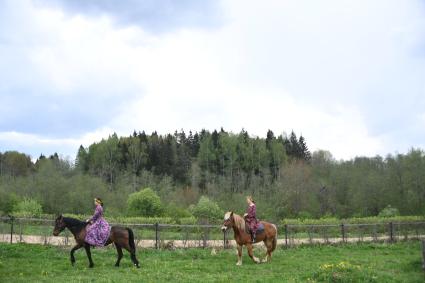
285	178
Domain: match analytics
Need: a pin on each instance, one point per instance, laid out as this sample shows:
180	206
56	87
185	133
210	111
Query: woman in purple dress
251	218
98	230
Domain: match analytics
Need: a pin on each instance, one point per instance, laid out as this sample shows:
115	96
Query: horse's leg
76	247
132	252
269	245
131	247
239	255
88	252
273	244
251	253
134	259
119	251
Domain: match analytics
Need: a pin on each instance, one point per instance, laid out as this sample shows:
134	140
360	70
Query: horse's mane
239	221
74	222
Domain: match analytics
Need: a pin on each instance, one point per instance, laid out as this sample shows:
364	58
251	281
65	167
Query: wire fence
172	236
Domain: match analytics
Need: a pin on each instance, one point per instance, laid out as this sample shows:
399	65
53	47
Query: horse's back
269	228
119	230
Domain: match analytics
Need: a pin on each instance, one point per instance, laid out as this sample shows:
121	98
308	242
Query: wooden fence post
205	237
375	233
11	228
156	235
286	235
391	232
343	232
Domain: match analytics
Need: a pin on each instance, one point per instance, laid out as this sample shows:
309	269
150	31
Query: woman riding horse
242	237
98	231
251	217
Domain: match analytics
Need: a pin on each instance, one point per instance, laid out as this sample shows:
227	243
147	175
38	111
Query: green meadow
366	262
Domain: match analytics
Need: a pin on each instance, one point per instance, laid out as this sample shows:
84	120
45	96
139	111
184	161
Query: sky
349	76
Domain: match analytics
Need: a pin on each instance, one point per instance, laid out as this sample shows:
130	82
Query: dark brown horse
120	236
243	237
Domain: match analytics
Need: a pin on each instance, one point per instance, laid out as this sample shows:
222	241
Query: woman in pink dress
98	230
251	218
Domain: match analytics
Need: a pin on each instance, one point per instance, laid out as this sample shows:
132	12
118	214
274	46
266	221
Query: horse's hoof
137	266
91	265
117	265
239	263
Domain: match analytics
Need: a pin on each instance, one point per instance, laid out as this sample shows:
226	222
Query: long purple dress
251	218
98	232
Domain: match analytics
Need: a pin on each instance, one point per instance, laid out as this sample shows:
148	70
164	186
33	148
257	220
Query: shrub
7	202
389	212
206	210
304	215
176	212
28	208
144	203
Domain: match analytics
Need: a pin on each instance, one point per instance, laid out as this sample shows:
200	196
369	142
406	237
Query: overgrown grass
400	262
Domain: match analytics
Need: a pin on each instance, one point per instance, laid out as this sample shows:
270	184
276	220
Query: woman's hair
250	198
99	201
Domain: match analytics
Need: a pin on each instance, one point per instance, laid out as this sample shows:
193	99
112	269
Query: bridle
227	223
59	226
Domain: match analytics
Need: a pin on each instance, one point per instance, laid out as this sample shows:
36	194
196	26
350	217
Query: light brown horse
120	236
243	237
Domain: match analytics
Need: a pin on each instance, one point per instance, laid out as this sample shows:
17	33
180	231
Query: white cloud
320	69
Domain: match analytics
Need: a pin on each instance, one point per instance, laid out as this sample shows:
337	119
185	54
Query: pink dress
98	232
251	218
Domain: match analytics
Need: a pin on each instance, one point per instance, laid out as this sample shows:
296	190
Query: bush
7	202
389	212
304	215
144	203
177	212
206	209
28	208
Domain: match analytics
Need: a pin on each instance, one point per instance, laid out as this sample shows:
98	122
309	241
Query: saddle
260	228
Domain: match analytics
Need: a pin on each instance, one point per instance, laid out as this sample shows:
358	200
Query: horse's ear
231	213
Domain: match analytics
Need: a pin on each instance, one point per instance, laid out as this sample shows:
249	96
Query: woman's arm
97	213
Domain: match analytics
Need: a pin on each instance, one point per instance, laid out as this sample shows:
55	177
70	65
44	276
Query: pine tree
81	160
304	152
269	139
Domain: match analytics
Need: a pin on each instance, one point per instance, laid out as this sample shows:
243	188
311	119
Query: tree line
279	171
218	153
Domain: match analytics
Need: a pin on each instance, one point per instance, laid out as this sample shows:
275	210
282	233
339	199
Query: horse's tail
275	238
131	239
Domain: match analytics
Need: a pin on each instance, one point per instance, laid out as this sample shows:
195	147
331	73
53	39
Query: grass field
373	262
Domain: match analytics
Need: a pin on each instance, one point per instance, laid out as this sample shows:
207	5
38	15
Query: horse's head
228	221
59	225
